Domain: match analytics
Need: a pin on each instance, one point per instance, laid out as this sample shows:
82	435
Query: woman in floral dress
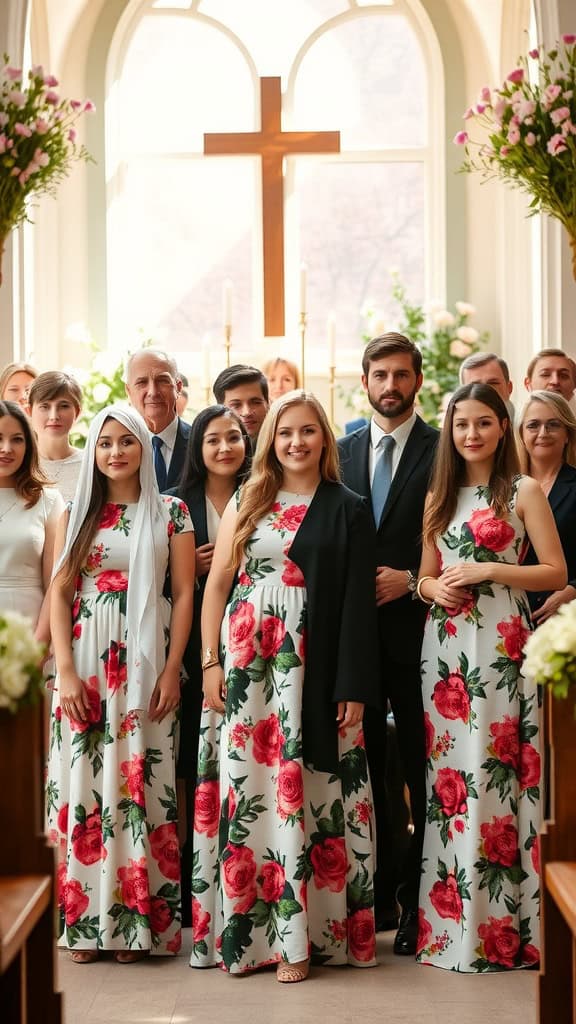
479	891
110	793
283	864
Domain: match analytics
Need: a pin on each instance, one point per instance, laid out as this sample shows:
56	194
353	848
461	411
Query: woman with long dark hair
283	863
111	782
479	888
29	513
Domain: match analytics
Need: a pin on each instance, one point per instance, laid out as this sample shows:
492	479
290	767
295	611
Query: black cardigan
335	547
562	499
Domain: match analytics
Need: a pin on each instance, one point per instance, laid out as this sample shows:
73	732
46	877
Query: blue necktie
159	463
382	477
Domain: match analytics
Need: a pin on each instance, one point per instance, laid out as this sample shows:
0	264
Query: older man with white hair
153	384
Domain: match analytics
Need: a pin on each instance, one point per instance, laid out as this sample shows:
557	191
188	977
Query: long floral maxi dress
283	862
479	894
111	802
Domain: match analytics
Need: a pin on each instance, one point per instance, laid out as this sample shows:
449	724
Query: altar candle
303	283
331	340
228	302
206	378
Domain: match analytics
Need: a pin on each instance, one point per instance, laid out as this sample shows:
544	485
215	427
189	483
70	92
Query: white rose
465	308
459	349
443	319
105	362
101	392
468	334
14	680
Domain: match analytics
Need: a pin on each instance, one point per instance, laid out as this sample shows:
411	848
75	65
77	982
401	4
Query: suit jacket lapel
562	486
360	464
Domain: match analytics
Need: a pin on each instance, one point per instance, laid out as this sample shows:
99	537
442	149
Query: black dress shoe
407	934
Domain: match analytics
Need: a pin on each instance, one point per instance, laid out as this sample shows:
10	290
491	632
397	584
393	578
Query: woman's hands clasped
165	695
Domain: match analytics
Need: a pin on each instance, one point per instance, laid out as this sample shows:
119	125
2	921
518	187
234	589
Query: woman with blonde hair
15	381
547	446
282	376
289	661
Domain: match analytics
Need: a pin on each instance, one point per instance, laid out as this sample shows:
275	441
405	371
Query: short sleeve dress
283	854
111	802
22	538
479	890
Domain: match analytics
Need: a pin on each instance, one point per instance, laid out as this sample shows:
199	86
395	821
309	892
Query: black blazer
399	536
562	499
195	499
178	455
335	547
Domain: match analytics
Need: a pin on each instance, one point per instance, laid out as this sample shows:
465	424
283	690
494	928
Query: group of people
235	606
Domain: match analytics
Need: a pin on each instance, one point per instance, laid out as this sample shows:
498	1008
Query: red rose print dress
479	889
283	864
111	803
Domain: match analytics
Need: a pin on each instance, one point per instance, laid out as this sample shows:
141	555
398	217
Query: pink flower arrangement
37	140
530	122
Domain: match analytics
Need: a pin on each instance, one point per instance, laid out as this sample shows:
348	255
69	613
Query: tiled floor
162	991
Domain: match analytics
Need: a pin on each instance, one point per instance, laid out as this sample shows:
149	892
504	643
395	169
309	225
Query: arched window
180	223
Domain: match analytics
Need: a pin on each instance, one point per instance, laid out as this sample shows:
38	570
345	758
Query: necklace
9	509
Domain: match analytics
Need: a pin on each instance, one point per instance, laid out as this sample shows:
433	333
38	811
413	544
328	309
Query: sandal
83	956
130	956
288	974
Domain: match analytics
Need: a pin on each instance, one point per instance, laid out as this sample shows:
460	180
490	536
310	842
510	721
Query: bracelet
419	588
210	665
209	657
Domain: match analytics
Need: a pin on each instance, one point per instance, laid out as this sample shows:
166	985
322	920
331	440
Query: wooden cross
272	145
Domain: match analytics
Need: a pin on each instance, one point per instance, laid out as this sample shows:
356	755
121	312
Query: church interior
180	232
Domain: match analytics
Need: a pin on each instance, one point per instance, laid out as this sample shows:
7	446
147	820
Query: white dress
22	536
63	473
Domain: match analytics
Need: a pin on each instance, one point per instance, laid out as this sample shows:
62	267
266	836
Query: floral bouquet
531	126
20	661
551	651
37	140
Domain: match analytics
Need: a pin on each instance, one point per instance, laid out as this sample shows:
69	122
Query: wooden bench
557	982
27	911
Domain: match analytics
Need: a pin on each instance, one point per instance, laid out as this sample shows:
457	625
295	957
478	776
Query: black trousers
399	855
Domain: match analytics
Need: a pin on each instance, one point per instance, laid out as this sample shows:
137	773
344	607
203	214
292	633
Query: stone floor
162	991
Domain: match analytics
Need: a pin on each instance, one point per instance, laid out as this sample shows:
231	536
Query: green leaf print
152	757
493	876
86	928
287	909
52	795
198	884
359	891
247	810
169	803
134	818
353	771
237	683
236	939
208	770
334	825
128	922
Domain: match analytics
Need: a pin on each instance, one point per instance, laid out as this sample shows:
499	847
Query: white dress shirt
400	435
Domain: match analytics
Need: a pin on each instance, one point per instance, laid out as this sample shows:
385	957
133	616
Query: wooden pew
557	982
27	890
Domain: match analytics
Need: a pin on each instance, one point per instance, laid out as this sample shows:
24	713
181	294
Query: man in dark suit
389	462
153	385
244	389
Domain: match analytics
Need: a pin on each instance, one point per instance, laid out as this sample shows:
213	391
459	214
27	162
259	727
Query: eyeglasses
548	426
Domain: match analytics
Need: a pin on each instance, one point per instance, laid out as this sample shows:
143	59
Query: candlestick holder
302	327
227	341
331	392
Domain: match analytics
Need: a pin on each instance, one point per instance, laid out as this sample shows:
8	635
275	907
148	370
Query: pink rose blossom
480	108
535	53
559	115
3	119
22	130
75	104
569	40
526	108
461	138
89	107
551	93
50	81
468	114
72	135
17	98
516	76
41	158
530	139
14	74
556	145
504	150
42	126
514	135
38	71
568	94
485	94
52	97
500	107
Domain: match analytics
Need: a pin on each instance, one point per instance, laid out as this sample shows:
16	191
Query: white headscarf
145	642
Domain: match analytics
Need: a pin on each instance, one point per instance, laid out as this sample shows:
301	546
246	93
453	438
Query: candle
228	302
331	340
303	283
206	377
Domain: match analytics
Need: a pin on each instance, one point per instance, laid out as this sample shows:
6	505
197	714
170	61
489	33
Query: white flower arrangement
20	661
551	651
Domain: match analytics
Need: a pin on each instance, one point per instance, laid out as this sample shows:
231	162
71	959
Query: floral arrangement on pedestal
20	661
38	141
445	339
530	127
551	651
